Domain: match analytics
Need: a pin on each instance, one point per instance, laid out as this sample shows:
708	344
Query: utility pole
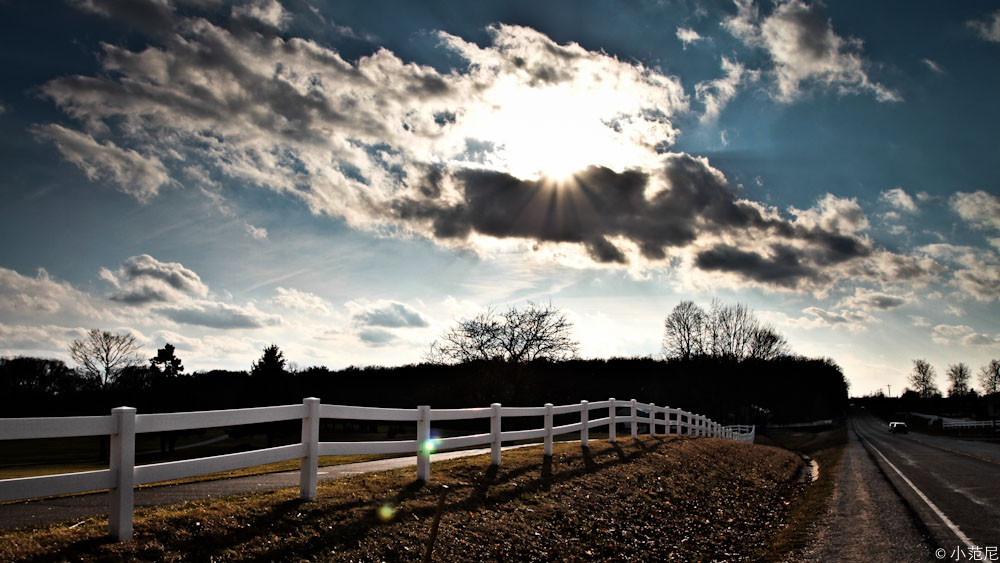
890	390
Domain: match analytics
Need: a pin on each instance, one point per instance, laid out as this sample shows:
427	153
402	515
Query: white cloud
989	28
268	12
853	321
832	213
41	295
962	335
256	233
688	36
219	315
37	340
143	279
899	199
919	321
295	299
715	94
979	209
136	175
933	66
954	310
804	48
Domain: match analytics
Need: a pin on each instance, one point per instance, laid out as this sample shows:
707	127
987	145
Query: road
866	521
952	484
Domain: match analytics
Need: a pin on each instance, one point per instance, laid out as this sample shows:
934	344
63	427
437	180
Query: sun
553	135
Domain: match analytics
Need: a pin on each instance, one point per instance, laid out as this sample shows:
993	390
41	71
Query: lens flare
386	512
429	446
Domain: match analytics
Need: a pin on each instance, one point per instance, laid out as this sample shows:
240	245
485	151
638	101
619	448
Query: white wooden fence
123	424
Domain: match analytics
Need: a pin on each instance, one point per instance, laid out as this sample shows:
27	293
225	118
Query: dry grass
809	507
649	499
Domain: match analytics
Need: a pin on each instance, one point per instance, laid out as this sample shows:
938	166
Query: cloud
256	233
804	48
989	28
136	175
41	295
920	321
268	12
376	336
976	270
962	335
143	279
715	94
868	300
979	209
219	315
37	339
933	66
854	321
899	199
688	36
463	157
295	299
390	314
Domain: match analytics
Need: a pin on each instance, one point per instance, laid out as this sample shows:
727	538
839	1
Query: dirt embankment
651	499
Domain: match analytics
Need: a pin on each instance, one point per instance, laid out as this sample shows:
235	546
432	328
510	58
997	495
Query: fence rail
967	423
123	424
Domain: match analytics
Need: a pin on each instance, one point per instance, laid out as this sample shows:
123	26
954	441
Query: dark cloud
784	268
688	202
393	315
219	315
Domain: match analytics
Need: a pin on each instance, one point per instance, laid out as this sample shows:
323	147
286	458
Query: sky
348	180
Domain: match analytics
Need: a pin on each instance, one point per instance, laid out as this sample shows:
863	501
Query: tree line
735	368
923	379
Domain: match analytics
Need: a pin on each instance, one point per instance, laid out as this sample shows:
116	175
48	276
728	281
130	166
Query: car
897	428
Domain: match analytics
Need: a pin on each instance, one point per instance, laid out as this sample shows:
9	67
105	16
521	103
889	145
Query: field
650	499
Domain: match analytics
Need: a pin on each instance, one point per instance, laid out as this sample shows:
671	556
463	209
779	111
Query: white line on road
951	525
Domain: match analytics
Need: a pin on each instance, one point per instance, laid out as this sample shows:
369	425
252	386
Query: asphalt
951	484
867	521
80	507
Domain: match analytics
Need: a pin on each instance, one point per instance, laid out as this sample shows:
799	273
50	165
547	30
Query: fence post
652	419
121	500
635	430
613	423
309	470
548	429
495	434
424	443
585	421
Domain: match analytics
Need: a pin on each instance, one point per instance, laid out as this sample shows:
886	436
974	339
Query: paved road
952	484
84	506
867	521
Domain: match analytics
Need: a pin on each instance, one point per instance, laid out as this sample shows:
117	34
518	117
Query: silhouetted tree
729	332
922	378
958	379
166	362
535	332
271	363
104	354
40	376
989	377
683	331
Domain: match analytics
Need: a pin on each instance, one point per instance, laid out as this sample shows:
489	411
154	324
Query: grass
827	449
648	499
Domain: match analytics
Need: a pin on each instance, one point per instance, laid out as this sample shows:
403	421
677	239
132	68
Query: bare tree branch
516	335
